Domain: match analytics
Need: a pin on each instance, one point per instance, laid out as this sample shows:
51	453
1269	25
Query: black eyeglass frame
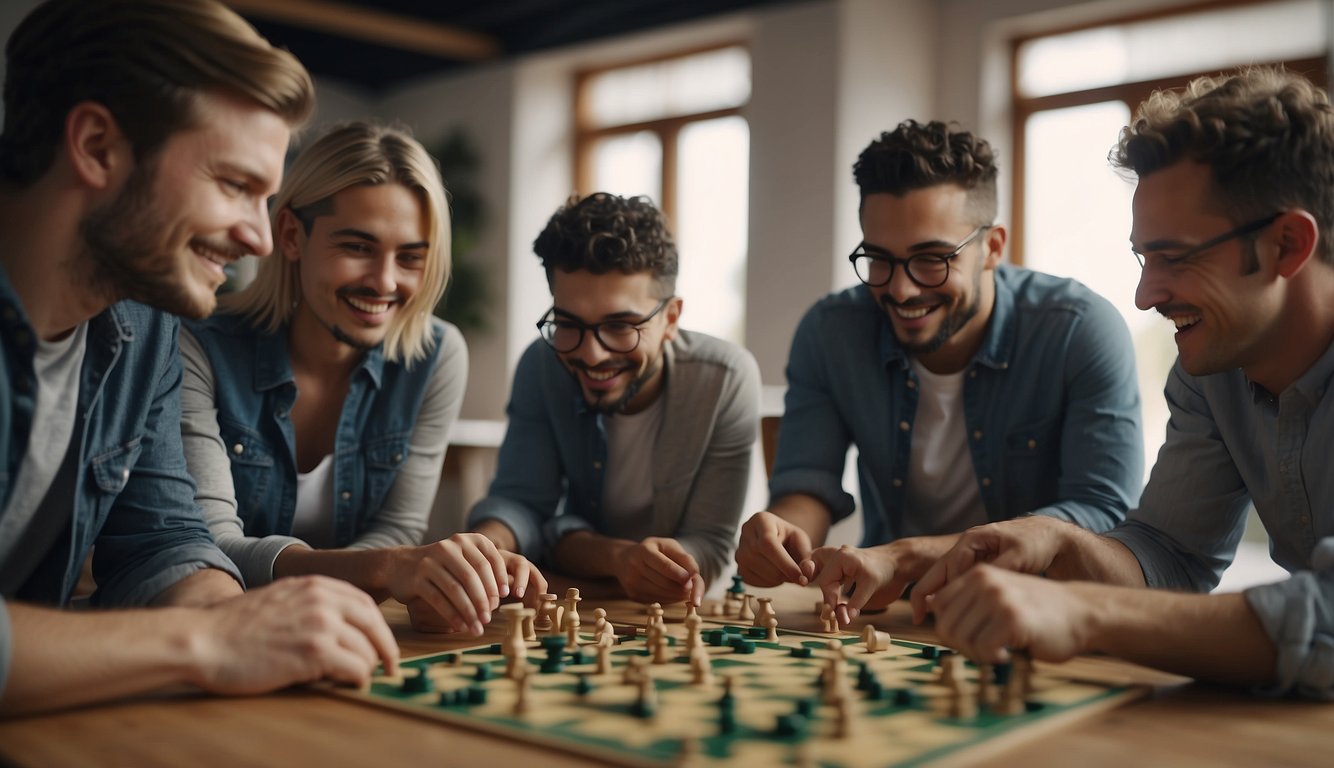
920	258
547	322
1177	259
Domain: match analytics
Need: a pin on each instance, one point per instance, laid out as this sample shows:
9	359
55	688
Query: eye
412	258
233	187
355	247
618	328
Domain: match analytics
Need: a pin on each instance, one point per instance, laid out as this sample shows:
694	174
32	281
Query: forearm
1216	638
63	659
1085	556
201	589
914	556
367	569
807	513
590	555
499	534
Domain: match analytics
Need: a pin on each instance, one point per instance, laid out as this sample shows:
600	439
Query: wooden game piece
691	610
688	754
874	640
546	613
510	612
842	718
522	685
772	624
701	665
604	659
570	610
646	704
984	687
515	651
634	669
764	612
655	616
963	705
951	671
746	613
572	631
599	621
693	640
715	610
528	615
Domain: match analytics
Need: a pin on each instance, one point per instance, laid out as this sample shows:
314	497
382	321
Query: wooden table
1182	724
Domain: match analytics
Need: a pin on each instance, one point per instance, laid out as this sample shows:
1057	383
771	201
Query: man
1232	226
974	391
141	140
629	440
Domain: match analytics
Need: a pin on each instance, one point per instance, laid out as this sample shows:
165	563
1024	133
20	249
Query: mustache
917	301
581	365
1167	310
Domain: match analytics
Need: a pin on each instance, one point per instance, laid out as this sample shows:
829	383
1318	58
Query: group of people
259	467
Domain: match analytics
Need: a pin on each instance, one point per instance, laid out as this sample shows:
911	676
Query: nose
590	351
384	274
1151	291
253	232
901	288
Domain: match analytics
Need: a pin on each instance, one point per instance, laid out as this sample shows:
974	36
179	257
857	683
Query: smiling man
974	391
1233	228
142	139
629	441
317	403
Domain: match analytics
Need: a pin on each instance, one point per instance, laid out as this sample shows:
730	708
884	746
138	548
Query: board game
718	690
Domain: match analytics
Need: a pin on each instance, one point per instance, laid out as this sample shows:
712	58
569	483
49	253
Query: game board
896	708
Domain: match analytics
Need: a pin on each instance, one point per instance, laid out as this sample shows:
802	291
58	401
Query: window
1074	90
672	129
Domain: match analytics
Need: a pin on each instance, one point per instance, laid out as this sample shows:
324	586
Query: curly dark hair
603	232
1266	133
916	156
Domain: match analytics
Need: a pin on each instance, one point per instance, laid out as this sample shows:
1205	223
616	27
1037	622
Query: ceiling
380	44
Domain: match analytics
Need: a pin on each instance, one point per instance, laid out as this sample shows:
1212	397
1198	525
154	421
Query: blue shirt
132	497
554	458
1231	444
254	391
1050	402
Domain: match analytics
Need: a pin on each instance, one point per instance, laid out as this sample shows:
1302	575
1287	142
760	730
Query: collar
1311	385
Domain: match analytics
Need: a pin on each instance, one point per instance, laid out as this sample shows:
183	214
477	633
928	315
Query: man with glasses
628	449
973	391
1233	228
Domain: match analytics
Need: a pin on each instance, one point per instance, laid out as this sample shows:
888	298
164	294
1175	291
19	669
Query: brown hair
144	60
605	232
916	156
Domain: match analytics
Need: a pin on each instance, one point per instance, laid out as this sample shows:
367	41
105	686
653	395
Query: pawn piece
842	718
747	613
583	687
599	621
654	616
765	611
604	659
691	610
772	624
963	705
546	613
662	652
634	669
570	609
529	630
875	640
830	618
646	705
572	631
715	610
693	639
951	671
513	615
701	666
522	685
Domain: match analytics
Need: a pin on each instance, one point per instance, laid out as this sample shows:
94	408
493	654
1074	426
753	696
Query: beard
127	245
602	405
954	321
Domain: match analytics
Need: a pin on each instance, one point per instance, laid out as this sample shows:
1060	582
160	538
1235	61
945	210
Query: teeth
211	255
601	375
369	307
910	313
1185	321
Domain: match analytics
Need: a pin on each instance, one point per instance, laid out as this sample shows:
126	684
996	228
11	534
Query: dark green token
726	722
929	652
757	632
483	672
418	683
800	653
1002	673
789	725
583	687
806	708
1033	706
550	642
551	666
743	646
476	695
449	658
495	649
446	699
875	690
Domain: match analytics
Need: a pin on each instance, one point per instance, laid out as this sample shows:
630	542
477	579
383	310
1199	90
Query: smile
211	255
1185	321
601	375
369	307
913	313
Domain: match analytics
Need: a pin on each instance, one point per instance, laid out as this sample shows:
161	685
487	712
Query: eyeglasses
1181	257
929	270
565	334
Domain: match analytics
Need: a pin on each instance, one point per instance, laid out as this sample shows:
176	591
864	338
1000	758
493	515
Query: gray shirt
1231	444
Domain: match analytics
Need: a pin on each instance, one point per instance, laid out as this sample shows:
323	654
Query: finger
662	564
472	571
519	571
656	583
492	553
365	615
537	581
677	553
931	582
486	572
808	568
696	590
841	613
460	586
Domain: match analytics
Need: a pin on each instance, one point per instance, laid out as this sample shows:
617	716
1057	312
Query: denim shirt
132	497
254	403
1050	401
1231	444
553	461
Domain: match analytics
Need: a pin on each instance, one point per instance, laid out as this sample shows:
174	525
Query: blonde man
141	141
317	402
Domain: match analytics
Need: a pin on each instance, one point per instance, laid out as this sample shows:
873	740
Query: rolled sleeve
1298	616
525	523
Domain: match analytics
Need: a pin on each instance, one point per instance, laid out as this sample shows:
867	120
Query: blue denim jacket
254	401
133	497
1050	401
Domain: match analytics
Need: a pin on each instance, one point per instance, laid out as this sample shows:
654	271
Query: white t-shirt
313	518
942	495
627	489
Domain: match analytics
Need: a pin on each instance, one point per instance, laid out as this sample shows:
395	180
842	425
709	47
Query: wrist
499	534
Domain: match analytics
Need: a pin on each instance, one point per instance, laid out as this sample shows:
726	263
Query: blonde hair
147	61
348	155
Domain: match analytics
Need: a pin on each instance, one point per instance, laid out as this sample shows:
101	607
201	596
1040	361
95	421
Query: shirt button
912	384
986	482
396	458
1032	444
238	449
345	495
898	483
125	473
280	414
904	426
977	434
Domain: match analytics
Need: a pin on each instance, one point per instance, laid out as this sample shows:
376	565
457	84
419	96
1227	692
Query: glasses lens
563	337
873	272
618	337
928	271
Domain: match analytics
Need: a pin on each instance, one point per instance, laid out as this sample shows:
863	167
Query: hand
1026	544
528	584
460	580
879	573
659	569
770	551
988	612
296	630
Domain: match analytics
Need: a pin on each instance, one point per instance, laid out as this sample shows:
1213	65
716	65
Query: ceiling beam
387	29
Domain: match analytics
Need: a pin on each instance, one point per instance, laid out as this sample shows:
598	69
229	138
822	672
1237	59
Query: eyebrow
1158	245
614	316
364	235
254	178
922	246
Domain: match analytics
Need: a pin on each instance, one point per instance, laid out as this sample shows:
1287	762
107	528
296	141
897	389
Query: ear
1297	234
290	239
993	244
98	152
673	312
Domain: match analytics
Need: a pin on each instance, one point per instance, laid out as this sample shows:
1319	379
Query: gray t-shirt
627	495
39	507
